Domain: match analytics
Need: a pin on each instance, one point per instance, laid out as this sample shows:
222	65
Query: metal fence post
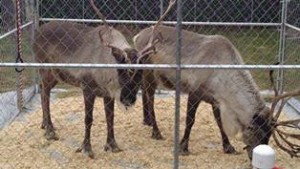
36	13
282	41
36	26
161	8
178	77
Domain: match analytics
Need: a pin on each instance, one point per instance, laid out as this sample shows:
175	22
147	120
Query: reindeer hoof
51	135
184	152
157	136
229	149
184	148
43	126
87	149
113	147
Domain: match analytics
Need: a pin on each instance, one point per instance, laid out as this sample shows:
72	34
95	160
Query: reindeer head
129	79
259	131
265	124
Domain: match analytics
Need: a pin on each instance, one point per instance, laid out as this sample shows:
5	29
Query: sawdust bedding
22	144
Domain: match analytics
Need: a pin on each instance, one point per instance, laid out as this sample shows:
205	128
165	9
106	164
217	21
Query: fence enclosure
264	32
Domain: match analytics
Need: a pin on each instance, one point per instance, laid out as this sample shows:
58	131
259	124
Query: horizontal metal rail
165	22
146	66
292	27
14	30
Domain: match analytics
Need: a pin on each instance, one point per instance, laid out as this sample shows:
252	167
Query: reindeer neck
240	94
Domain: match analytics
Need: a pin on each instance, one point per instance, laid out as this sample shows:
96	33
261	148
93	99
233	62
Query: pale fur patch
119	41
229	120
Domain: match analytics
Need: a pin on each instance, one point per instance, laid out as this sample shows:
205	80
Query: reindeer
150	83
233	93
64	42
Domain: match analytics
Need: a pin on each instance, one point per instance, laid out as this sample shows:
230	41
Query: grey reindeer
233	94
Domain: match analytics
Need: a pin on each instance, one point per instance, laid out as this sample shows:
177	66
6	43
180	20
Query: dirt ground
22	144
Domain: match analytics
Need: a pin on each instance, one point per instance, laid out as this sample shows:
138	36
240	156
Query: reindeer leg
155	130
111	144
146	113
48	82
149	86
192	105
89	100
227	147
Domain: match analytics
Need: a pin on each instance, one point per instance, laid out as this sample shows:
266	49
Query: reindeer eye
250	128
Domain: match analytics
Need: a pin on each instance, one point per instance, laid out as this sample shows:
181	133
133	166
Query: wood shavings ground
22	144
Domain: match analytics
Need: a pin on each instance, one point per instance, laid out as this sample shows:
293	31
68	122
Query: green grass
292	77
256	45
8	53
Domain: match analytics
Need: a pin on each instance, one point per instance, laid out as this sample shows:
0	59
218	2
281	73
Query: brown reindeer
65	42
233	92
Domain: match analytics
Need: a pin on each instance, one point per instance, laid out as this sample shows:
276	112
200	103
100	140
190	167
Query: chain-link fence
11	80
292	41
82	53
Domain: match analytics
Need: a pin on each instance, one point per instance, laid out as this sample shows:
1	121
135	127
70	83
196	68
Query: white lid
263	157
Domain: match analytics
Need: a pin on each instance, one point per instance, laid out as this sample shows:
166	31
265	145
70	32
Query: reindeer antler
287	146
283	98
154	28
150	48
108	44
290	148
171	3
99	13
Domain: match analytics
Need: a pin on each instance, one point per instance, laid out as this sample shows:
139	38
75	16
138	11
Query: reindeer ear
101	33
118	54
105	35
159	37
